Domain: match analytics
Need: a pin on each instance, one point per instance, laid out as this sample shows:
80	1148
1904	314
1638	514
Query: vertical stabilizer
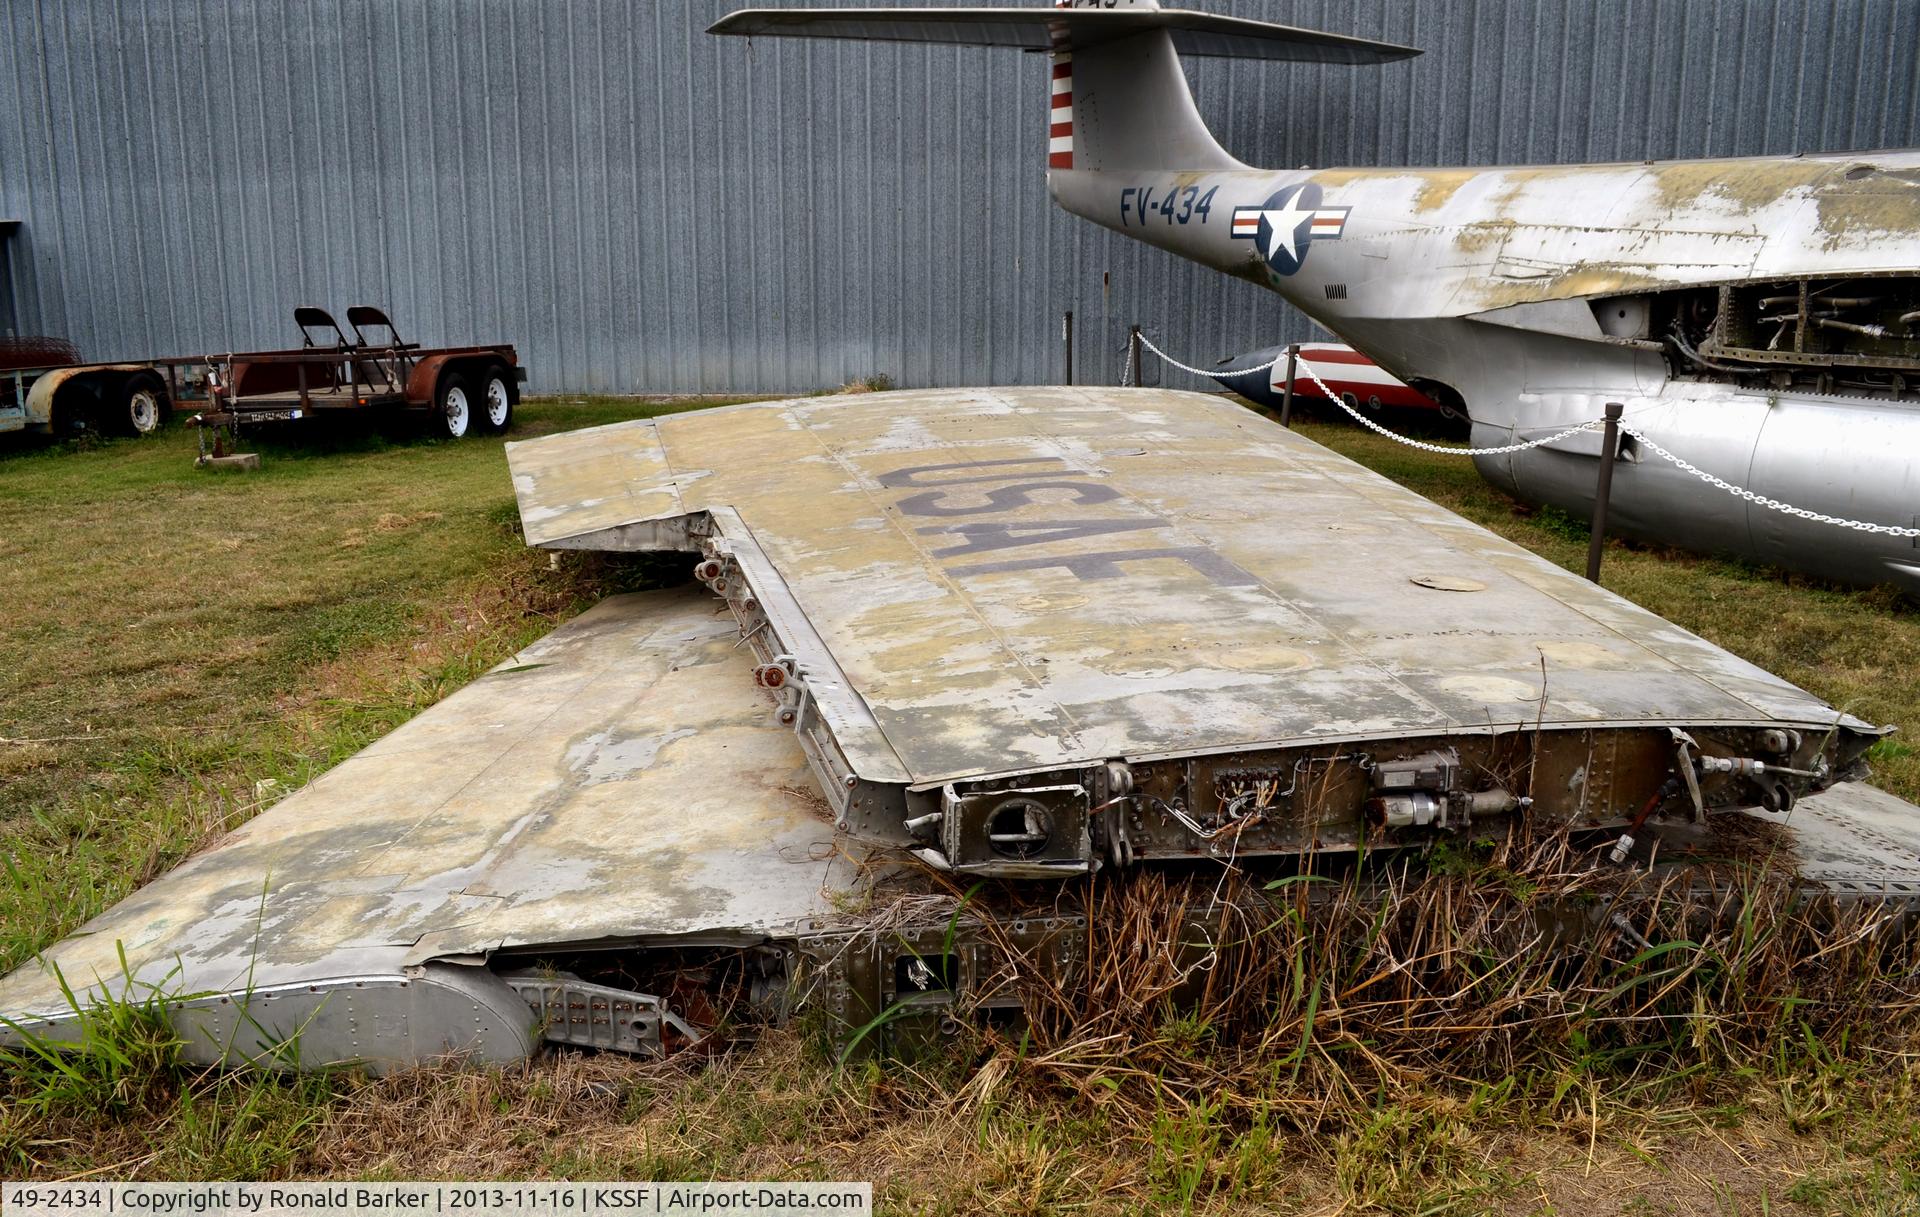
1128	106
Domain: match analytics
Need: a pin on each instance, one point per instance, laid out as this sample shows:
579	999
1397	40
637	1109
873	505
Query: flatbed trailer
460	391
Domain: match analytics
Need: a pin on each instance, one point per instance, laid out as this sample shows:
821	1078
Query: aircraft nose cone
1242	378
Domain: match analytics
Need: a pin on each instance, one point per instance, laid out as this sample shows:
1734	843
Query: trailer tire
142	407
496	400
453	412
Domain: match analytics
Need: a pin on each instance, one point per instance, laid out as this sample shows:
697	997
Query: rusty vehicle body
1015	633
459	391
46	390
1757	317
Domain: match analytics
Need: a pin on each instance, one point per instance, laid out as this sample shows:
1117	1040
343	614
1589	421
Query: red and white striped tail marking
1060	132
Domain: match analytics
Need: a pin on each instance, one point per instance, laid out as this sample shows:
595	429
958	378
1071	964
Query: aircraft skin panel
1018	578
616	779
634	478
1429	243
1855	839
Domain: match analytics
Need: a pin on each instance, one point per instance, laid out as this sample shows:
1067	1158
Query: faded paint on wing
1294	615
524	809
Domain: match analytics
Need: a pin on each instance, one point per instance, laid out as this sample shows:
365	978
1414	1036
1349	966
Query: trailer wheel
496	398
143	407
453	407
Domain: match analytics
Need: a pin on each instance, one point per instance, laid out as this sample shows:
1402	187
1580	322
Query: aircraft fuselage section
1354	246
1540	294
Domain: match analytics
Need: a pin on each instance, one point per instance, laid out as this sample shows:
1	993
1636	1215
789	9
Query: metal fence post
1133	355
1286	397
1066	338
1603	490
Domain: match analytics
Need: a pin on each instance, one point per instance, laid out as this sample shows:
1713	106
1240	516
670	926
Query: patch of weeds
503	516
878	382
1478	862
118	1056
328	631
1182	1146
121	1054
244	1124
1403	1160
1201	1153
1888	749
1877	1189
1187	1033
1562	524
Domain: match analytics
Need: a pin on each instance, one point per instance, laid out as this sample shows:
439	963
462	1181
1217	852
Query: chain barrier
1739	492
1166	358
1363	420
1450	449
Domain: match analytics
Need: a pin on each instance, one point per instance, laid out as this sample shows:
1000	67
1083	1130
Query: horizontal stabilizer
1039	29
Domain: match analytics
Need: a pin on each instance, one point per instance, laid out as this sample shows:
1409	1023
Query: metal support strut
1286	397
1603	490
1066	340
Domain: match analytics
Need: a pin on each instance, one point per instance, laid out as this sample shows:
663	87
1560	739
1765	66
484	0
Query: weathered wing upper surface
618	777
1017	578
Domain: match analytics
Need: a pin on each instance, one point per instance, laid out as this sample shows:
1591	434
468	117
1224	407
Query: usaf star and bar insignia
1286	225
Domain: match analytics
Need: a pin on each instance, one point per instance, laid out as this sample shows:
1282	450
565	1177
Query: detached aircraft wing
995	612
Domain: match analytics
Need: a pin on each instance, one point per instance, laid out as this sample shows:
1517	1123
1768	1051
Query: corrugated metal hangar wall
641	207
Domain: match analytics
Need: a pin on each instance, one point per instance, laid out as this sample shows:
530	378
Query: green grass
179	648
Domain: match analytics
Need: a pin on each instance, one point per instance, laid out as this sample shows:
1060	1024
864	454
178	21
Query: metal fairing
1143	616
